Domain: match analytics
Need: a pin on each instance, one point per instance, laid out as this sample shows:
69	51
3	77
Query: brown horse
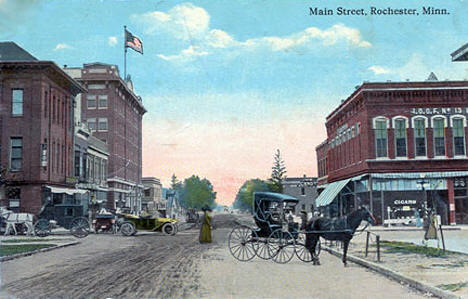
337	229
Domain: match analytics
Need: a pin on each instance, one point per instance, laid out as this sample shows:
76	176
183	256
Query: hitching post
367	242
377	237
442	235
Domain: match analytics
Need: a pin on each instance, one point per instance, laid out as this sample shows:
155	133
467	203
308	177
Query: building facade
37	133
399	148
152	196
113	113
303	188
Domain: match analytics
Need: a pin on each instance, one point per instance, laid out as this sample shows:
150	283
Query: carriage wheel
241	243
261	248
79	227
301	251
169	229
127	228
42	228
281	246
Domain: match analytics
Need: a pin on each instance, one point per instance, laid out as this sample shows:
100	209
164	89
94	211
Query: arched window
438	125
419	126
399	126
380	131
458	128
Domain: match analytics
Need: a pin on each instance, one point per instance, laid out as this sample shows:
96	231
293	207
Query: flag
131	41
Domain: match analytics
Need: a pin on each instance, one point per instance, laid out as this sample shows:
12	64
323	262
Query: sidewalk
447	272
415	228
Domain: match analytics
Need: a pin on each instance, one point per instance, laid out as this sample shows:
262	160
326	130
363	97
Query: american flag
131	41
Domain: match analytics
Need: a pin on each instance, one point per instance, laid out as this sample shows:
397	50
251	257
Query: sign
404	202
439	111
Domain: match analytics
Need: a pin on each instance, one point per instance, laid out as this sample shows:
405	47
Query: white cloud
112	41
378	70
185	55
62	46
184	21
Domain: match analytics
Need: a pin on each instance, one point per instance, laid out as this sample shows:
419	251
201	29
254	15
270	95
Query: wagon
79	227
276	236
129	224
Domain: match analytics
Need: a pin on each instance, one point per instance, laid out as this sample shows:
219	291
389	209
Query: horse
339	229
12	219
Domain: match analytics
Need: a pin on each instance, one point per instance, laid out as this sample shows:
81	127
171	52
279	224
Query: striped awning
329	194
419	175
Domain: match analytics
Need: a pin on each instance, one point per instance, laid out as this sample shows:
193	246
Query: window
400	137
77	164
91	100
17	102
91	124
147	193
420	137
46	103
102	124
102	101
439	137
16	153
458	137
381	138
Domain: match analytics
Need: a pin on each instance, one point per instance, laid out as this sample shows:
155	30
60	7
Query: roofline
460	52
74	82
363	87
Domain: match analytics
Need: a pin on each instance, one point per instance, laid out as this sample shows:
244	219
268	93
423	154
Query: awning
332	190
420	175
68	191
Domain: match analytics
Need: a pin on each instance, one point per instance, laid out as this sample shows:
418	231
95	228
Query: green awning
329	194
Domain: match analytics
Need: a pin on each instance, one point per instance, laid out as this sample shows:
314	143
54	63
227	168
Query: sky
226	83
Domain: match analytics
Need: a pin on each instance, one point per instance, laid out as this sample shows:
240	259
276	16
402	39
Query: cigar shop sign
404	202
439	111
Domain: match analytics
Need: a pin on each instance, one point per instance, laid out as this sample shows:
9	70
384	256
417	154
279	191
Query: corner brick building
114	113
36	129
398	147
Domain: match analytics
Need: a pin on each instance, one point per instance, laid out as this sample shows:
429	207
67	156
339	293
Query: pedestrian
205	230
418	218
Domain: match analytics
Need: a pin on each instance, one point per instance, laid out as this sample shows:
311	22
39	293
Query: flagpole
125	53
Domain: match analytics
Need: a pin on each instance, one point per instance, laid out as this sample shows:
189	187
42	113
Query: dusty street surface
158	266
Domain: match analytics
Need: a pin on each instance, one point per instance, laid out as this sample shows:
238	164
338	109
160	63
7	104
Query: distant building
173	208
36	134
303	188
397	147
152	196
113	113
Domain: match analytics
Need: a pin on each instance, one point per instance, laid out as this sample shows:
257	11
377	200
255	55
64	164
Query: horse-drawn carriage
276	236
279	238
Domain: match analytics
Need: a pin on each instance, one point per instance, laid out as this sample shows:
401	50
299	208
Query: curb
18	255
396	276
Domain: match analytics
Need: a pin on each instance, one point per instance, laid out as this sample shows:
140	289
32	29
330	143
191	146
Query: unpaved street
157	266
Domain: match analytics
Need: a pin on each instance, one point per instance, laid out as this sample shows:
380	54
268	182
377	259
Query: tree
244	197
175	183
278	172
197	193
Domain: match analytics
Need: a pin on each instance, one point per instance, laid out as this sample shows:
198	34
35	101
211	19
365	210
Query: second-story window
91	124
439	137
400	137
16	153
102	126
381	138
420	137
17	102
458	137
91	101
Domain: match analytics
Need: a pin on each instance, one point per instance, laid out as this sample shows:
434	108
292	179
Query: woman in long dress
205	231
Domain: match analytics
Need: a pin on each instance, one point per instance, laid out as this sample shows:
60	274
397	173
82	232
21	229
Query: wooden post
367	242
442	236
378	247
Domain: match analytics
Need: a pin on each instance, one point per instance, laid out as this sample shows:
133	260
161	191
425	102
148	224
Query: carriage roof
276	197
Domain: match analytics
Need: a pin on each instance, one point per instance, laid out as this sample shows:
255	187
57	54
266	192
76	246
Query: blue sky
265	69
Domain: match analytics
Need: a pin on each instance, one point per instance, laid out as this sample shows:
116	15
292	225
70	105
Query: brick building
114	113
397	147
36	127
303	188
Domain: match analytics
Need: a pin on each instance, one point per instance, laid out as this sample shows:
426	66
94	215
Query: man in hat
205	231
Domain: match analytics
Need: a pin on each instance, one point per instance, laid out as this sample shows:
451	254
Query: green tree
196	193
175	183
244	197
278	172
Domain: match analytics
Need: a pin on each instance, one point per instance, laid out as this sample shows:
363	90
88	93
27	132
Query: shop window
400	137
420	137
16	153
381	138
439	137
458	137
17	102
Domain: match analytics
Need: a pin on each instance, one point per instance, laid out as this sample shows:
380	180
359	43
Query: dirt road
158	266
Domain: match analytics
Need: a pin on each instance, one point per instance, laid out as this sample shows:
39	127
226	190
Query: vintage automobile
104	223
129	224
